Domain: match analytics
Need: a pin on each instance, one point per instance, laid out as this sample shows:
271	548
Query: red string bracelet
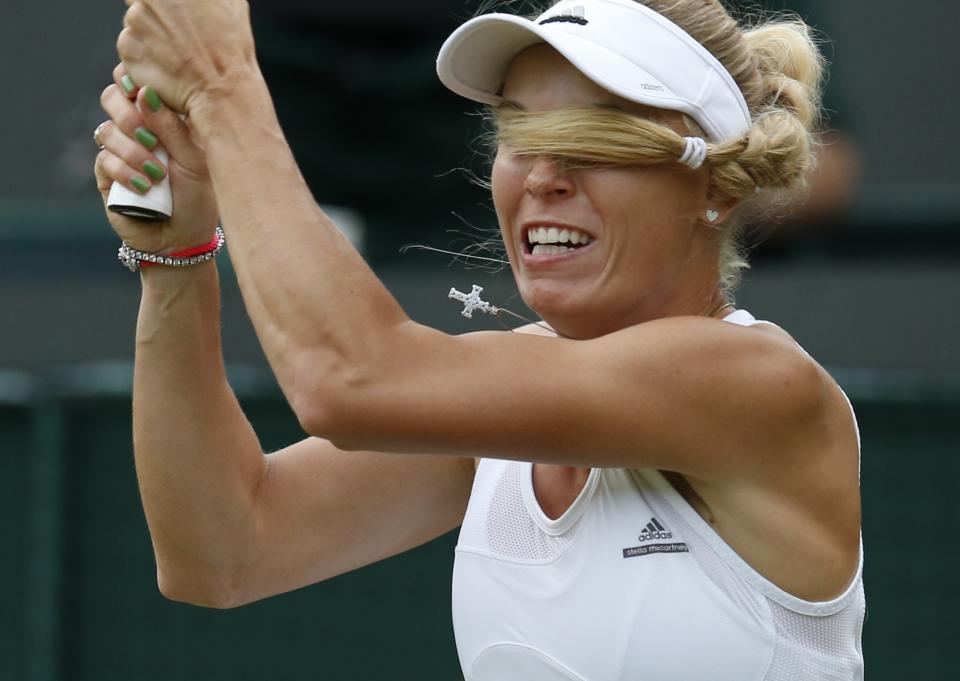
134	259
186	253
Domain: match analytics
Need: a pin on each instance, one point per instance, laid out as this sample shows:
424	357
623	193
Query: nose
547	178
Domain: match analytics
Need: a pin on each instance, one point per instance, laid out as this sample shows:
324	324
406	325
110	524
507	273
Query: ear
717	207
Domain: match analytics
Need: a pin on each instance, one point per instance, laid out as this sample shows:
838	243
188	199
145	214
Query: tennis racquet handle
156	205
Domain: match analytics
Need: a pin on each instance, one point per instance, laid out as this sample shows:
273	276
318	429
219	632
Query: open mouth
547	240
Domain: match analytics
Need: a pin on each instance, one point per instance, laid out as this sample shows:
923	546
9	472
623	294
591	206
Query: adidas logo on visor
575	15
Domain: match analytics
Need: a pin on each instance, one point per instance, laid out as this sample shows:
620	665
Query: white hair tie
694	152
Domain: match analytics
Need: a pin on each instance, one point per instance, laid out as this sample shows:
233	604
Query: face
647	255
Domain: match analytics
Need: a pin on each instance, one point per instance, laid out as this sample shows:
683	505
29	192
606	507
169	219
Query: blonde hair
779	69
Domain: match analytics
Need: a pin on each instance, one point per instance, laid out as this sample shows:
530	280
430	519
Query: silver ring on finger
96	136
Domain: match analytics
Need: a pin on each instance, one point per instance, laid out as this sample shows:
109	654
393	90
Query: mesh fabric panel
511	532
819	647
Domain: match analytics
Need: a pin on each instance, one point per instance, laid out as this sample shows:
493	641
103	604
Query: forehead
540	79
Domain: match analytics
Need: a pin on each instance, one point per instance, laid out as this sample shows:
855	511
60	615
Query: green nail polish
127	84
140	184
153	170
152	99
147	138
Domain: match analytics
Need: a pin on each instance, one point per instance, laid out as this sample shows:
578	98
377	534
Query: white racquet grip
156	204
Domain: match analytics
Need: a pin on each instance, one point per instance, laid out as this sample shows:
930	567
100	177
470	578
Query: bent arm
230	525
683	394
199	463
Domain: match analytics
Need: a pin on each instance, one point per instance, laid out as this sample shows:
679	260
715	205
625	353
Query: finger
171	129
127	117
131	152
123	79
143	20
130	47
110	168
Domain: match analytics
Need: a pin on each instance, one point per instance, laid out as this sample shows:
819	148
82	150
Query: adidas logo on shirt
654	532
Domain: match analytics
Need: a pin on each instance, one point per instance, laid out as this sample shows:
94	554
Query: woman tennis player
658	487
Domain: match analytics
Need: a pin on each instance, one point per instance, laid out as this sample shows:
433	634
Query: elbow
313	396
320	421
311	413
330	411
197	590
338	400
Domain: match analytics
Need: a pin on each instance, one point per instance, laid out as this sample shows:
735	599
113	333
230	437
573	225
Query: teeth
547	249
555	235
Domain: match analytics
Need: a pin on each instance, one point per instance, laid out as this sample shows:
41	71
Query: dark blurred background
865	275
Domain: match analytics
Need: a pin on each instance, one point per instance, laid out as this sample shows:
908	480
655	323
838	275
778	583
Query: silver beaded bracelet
131	258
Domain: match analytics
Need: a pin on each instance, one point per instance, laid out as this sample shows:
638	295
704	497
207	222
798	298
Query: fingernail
152	99
140	184
127	84
147	138
153	170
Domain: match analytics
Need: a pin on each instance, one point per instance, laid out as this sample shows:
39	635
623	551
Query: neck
712	304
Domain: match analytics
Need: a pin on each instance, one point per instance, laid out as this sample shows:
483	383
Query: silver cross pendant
471	301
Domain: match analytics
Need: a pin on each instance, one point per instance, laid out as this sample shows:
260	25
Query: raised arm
230	525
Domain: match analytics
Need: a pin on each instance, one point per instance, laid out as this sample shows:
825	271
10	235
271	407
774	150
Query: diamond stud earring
712	215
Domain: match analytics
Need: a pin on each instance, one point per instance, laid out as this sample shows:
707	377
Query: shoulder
751	361
706	386
739	392
720	351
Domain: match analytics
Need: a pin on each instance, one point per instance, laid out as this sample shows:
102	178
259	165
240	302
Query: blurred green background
865	276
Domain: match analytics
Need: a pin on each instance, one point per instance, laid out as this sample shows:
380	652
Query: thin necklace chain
722	307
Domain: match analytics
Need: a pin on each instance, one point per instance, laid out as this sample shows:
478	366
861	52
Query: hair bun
779	149
791	67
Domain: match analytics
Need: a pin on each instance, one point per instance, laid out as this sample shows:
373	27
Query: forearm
199	463
315	304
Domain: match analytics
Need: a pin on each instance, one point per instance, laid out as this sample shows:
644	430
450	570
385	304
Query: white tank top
630	583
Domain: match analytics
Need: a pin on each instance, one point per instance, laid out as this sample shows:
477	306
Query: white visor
621	45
